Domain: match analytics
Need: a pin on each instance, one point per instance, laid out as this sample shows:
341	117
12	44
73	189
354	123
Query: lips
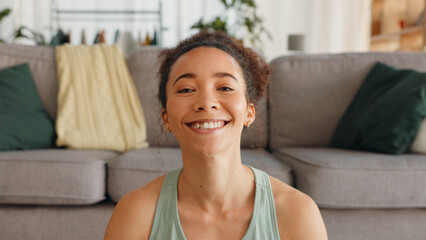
207	124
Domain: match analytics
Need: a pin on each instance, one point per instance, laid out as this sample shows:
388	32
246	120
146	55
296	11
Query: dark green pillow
24	123
386	113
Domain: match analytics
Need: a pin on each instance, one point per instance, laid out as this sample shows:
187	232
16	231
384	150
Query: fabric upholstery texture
338	178
143	65
383	224
135	168
43	68
19	222
386	112
24	123
309	93
98	106
63	176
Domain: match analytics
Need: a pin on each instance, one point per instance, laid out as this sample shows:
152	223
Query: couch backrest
43	68
310	93
143	65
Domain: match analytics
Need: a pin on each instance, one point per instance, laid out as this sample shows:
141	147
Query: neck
216	182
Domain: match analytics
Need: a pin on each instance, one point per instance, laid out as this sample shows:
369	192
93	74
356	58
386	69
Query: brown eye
185	90
226	89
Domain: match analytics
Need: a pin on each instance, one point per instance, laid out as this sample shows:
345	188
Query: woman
208	87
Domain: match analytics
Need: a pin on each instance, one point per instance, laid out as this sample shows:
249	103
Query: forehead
203	59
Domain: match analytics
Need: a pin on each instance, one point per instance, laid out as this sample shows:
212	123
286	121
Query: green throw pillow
386	113
24	123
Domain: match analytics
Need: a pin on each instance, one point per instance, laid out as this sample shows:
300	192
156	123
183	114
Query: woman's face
206	103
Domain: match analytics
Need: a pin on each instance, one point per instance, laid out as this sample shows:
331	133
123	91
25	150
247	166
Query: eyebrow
186	75
218	74
224	74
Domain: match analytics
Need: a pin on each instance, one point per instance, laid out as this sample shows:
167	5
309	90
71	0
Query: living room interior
342	120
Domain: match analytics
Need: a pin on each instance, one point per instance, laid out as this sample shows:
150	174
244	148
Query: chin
208	151
203	149
212	149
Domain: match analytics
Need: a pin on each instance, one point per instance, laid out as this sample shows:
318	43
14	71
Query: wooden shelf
389	19
387	36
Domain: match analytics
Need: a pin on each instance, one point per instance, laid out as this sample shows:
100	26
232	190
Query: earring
169	130
247	124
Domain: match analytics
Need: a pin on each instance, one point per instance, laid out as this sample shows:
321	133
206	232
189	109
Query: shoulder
134	214
298	215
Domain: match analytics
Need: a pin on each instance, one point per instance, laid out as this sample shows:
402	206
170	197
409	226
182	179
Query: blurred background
272	27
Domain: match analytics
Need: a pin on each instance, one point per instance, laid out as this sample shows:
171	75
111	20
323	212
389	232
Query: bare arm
298	215
134	214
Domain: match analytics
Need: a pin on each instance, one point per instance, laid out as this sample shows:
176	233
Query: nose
206	102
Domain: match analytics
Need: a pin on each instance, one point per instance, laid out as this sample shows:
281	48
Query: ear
251	115
165	118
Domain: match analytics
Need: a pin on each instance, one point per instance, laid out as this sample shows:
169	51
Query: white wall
328	25
340	26
284	17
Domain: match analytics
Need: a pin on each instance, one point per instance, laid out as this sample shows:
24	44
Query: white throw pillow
419	143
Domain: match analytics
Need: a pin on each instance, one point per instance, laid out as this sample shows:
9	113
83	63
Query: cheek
238	104
175	109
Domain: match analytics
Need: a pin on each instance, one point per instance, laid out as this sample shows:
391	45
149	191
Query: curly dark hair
255	70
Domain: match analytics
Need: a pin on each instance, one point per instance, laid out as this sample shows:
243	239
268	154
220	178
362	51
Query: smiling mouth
207	125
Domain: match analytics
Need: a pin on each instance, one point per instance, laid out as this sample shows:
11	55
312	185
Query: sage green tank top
263	224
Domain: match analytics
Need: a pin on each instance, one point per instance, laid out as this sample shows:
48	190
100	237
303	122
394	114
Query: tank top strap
264	220
172	177
261	178
166	223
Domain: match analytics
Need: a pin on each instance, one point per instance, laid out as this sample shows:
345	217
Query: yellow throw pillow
98	106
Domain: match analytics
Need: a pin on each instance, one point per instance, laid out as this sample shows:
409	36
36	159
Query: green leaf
35	36
4	13
228	5
225	4
199	25
219	25
250	3
249	24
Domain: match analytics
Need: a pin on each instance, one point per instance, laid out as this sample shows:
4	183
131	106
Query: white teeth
207	125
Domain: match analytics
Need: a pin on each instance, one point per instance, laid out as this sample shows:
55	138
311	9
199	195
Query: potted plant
3	13
246	22
22	32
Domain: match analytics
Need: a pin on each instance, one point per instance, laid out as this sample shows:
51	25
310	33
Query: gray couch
70	194
362	195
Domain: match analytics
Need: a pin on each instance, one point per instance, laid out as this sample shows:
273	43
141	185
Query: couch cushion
140	166
337	178
18	222
24	124
143	65
53	176
309	93
376	224
43	68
